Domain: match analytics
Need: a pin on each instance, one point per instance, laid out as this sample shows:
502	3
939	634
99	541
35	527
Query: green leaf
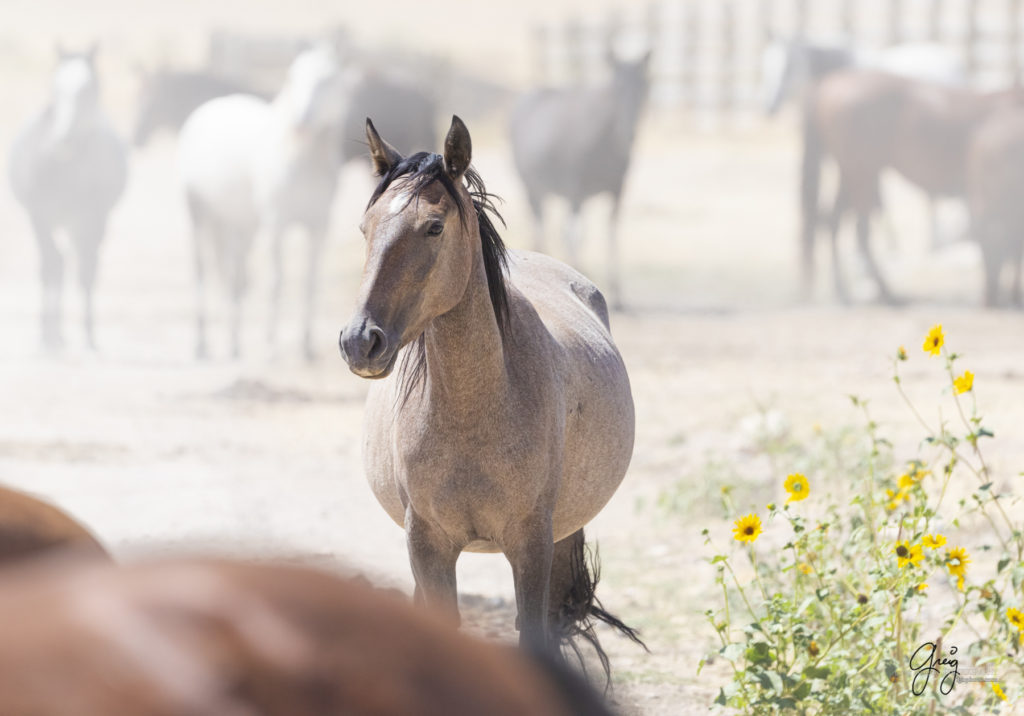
985	433
802	691
720	700
817	672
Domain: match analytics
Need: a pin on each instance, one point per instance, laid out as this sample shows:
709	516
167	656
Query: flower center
902	551
749	530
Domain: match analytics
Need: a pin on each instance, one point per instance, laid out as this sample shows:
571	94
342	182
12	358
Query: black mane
417	172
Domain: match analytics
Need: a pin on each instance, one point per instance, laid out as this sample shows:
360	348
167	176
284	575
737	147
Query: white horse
248	165
67	169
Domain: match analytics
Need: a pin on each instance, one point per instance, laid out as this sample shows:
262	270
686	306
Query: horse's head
312	98
419	249
74	95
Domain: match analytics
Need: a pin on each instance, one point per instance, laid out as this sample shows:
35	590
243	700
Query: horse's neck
464	350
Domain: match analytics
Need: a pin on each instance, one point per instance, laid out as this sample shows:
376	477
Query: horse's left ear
458	149
382	155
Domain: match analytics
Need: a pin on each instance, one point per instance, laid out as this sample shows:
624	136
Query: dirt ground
261	458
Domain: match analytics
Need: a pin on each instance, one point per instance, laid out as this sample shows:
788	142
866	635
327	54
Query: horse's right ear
382	154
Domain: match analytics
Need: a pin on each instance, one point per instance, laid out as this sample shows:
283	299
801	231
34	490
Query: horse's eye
435	229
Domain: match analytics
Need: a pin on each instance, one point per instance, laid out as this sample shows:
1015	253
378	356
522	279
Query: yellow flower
960	583
933	541
933	342
770	506
905	482
907	554
956	561
896	497
964	382
920	473
805	568
813	649
747	528
797	487
922	586
1016	617
998	690
901	354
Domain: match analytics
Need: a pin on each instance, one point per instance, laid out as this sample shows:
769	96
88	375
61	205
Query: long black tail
580	609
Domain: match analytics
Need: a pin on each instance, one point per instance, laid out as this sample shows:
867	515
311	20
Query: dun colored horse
67	169
869	121
30	528
501	418
576	143
208	638
247	165
995	180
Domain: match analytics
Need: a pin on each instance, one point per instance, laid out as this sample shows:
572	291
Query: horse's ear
458	149
382	154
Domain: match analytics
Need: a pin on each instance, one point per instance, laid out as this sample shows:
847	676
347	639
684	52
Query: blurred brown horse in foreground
32	528
208	638
995	181
869	121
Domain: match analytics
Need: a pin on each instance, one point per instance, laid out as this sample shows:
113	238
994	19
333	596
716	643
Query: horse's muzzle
366	348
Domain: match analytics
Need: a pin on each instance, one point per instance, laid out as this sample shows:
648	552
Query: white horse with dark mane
67	169
248	165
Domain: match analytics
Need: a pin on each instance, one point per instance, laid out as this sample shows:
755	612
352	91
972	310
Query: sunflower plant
879	595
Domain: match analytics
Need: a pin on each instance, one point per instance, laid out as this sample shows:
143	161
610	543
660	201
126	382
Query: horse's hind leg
432	557
529	549
276	236
87	240
51	274
1017	253
864	244
237	280
200	226
835	223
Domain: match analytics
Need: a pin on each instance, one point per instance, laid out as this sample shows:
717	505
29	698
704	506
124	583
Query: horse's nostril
378	343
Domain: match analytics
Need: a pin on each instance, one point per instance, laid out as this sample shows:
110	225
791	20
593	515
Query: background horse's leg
614	267
276	236
530	551
237	280
51	273
314	253
1017	257
199	227
864	244
432	557
87	238
835	224
810	179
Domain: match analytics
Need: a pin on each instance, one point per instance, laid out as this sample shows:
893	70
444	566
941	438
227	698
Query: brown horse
995	178
869	121
209	638
30	528
509	422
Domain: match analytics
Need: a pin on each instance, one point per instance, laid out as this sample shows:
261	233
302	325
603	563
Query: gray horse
408	115
575	143
508	423
67	169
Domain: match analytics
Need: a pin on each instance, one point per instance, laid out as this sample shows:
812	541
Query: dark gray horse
575	143
407	115
67	169
168	97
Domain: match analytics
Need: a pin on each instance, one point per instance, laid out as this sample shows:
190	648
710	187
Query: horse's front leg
432	555
317	234
529	548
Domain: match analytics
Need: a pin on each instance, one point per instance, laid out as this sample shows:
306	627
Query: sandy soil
260	458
